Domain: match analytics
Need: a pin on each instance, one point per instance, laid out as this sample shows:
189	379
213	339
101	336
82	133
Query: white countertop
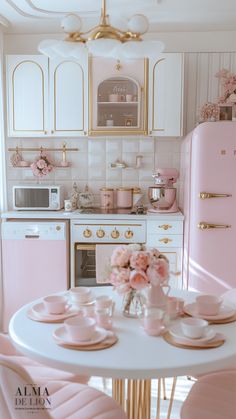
77	215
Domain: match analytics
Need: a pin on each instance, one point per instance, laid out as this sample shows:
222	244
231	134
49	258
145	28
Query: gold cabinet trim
54	98
13	97
123	130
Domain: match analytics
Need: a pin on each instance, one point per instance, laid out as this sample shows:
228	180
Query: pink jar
124	197
107	198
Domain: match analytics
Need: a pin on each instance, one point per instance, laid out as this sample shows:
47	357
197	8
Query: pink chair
39	372
62	399
213	396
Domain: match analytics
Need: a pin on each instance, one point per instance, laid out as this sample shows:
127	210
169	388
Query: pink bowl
208	304
80	328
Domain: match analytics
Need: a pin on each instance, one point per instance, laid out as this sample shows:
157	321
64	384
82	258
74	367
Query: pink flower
41	164
120	256
119	276
158	272
138	279
123	288
139	260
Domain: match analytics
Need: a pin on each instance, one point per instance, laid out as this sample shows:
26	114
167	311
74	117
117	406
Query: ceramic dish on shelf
177	333
224	313
62	336
39	311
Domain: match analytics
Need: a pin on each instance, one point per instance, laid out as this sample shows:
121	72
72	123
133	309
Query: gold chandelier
103	39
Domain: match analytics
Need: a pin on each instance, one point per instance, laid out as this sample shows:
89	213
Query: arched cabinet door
68	96
27	84
166	76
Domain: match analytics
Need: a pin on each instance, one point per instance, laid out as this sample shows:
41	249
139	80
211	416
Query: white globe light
71	23
138	24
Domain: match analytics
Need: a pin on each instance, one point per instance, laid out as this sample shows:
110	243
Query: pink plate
225	312
39	311
61	336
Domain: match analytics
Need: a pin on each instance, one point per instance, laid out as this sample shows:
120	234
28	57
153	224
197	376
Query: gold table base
134	396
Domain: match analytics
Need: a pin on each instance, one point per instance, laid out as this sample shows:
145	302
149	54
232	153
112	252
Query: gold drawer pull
206	195
165	226
165	240
206	226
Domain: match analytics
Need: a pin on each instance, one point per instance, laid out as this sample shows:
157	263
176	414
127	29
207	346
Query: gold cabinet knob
100	233
165	240
115	234
87	233
129	234
165	226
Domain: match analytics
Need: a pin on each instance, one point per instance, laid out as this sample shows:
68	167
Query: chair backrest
15	388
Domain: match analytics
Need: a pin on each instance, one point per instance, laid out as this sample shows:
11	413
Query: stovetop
96	210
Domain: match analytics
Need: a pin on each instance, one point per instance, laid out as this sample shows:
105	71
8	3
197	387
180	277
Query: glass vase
133	304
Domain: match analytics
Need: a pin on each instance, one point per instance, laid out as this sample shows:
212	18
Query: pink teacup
55	304
172	307
104	301
153	320
80	328
208	305
80	295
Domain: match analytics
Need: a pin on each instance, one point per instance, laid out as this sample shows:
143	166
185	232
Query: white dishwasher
35	262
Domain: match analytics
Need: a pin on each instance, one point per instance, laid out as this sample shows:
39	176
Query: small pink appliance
162	196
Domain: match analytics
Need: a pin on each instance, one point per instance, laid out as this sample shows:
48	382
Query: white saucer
225	312
177	333
62	336
40	311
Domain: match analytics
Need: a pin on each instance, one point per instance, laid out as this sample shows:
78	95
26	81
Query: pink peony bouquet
42	166
134	267
228	84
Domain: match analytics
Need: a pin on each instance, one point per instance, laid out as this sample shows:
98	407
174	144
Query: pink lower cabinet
35	262
166	234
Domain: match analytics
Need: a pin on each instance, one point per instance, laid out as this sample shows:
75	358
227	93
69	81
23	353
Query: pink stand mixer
162	196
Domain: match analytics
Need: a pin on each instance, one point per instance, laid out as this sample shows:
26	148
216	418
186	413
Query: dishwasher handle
32	236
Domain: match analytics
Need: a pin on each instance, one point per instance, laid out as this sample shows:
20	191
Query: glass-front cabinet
118	96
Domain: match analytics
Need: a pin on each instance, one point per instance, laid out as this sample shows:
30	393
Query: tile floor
182	388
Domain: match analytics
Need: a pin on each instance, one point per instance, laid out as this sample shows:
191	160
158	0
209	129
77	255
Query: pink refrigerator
208	201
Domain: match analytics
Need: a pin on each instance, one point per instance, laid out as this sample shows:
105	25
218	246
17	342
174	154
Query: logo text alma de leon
32	396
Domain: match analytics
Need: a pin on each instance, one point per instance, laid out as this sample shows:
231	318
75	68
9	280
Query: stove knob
129	234
115	234
87	233
100	233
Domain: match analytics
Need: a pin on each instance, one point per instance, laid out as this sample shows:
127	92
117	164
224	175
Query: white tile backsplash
90	165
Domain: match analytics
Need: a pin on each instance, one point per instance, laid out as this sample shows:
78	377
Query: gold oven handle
206	195
207	226
85	246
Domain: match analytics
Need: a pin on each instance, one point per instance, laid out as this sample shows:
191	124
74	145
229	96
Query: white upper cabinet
118	96
68	96
166	82
39	105
27	81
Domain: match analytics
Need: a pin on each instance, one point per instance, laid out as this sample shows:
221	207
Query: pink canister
124	197
107	198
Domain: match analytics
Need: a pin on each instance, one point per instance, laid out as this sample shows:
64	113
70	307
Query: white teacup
80	328
208	304
104	301
55	304
80	294
193	327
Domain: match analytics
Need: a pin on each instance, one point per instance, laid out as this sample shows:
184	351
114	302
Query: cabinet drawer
160	227
165	240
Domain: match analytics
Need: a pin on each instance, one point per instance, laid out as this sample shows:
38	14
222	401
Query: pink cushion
39	372
213	396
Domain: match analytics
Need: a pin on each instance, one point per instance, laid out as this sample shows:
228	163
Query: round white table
136	356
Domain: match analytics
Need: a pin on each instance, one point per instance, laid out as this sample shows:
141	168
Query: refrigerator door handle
206	195
207	226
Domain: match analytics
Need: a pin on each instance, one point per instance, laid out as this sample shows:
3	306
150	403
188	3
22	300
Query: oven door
92	264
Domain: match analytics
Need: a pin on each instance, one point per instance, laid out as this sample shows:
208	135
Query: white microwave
39	197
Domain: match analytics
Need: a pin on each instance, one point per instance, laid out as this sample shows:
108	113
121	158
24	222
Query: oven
92	242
